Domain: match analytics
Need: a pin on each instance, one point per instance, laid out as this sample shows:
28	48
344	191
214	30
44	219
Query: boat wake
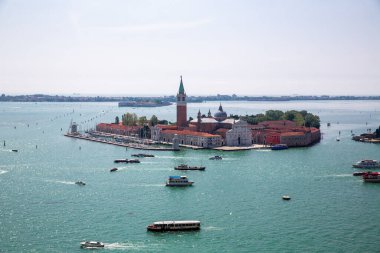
147	185
125	246
61	182
3	171
342	175
211	228
263	150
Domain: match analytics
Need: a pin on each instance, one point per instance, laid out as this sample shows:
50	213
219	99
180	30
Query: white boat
367	164
178	181
161	226
91	244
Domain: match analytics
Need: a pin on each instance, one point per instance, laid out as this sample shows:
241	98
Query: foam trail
3	171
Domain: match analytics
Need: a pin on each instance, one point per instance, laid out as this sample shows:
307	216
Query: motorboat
186	225
372	177
113	169
279	147
360	173
126	161
178	181
14	150
80	183
367	164
286	197
91	244
142	155
186	167
217	157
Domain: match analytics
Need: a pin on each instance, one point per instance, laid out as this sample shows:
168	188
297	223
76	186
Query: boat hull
153	229
179	184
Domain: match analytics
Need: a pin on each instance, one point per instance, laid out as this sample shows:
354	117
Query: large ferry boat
178	181
367	164
372	177
161	226
186	167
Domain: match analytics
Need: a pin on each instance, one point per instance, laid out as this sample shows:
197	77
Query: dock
116	143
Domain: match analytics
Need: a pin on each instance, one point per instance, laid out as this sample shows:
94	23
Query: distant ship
143	103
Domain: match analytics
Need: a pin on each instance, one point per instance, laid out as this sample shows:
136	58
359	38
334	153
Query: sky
142	47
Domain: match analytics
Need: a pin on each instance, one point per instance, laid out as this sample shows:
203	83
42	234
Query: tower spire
181	89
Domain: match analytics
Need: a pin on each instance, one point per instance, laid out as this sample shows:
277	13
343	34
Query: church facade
207	132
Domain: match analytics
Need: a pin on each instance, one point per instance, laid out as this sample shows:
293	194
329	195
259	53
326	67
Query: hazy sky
142	47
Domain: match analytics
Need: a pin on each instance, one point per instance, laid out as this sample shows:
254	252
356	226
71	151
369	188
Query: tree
129	119
312	120
274	114
142	120
153	120
377	132
117	120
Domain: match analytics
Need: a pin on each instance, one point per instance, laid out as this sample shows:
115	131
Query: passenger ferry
372	177
367	164
178	181
186	225
187	167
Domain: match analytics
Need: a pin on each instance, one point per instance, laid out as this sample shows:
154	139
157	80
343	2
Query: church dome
220	115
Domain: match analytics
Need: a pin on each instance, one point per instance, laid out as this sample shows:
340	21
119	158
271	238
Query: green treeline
301	118
131	119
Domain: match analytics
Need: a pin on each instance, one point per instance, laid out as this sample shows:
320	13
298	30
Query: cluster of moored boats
368	176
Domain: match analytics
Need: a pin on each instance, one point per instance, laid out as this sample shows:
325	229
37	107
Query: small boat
91	244
126	161
279	147
178	181
186	167
186	225
113	169
337	139
81	183
359	173
142	155
134	161
367	164
120	161
14	150
372	177
286	197
217	157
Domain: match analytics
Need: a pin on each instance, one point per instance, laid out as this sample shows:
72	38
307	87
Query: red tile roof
188	132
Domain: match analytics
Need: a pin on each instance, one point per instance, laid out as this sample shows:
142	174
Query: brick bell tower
181	107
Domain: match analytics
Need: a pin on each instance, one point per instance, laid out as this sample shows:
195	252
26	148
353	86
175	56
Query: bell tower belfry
181	107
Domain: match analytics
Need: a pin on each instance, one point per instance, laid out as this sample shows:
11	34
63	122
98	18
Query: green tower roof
181	88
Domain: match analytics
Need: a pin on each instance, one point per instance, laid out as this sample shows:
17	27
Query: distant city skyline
128	48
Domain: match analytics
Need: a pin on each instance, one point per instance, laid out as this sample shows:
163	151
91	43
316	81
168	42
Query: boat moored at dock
367	164
279	147
178	181
186	167
372	177
186	225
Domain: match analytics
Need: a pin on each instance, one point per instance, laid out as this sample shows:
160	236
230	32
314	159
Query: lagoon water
238	199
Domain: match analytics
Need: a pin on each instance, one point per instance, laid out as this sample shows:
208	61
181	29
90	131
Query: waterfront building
284	132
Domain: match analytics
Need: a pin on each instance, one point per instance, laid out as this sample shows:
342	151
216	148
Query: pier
98	139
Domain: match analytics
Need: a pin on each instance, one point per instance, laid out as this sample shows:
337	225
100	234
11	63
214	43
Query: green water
238	199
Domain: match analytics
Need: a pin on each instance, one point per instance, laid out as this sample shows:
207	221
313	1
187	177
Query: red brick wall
181	116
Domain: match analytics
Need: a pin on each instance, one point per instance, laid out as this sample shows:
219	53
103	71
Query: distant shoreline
172	99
